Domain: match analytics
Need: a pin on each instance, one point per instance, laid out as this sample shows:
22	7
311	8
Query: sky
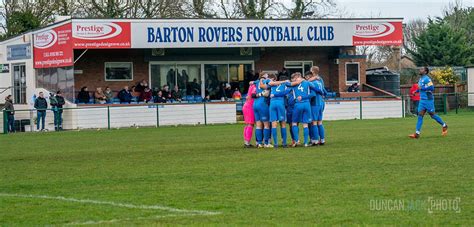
408	9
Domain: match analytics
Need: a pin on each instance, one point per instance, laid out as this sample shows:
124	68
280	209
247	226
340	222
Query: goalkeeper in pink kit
249	116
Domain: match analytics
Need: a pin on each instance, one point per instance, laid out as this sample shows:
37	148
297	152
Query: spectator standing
222	92
415	98
175	94
83	96
99	96
10	113
57	102
211	88
146	95
40	105
170	77
109	95
228	91
183	79
124	95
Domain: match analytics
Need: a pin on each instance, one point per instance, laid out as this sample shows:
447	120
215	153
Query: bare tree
200	9
228	9
22	15
258	9
161	9
378	56
410	31
311	8
110	8
71	8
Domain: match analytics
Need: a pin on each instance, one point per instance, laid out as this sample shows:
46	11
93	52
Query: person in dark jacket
84	96
141	86
176	94
124	95
40	105
283	73
57	102
166	92
159	98
10	113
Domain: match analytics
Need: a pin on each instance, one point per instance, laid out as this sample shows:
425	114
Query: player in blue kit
312	100
302	110
261	112
317	107
426	88
278	92
290	106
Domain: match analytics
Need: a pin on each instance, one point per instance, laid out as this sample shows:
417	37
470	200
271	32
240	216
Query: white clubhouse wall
470	86
94	117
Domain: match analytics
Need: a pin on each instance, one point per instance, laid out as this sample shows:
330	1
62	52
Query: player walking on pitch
426	88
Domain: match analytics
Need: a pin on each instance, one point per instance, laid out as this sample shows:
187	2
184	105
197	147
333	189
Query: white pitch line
125	205
128	219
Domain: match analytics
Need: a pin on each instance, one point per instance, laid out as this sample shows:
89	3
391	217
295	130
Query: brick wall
341	82
273	58
92	66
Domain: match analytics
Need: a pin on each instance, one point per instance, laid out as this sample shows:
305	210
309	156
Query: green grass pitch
202	176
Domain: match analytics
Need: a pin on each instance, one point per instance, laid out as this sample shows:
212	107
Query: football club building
197	55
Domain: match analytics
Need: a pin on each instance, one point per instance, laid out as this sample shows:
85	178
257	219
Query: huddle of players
296	101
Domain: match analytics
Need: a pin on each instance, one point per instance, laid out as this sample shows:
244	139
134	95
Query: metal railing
4	89
156	115
123	116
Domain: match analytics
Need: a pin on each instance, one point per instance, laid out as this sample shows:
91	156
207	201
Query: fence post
157	116
5	123
403	107
108	117
457	102
32	124
205	114
360	107
445	103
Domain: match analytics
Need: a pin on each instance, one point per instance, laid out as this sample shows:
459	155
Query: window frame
358	73
117	80
303	62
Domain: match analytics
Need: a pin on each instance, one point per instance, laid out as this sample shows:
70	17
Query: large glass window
161	75
216	79
118	71
202	79
298	66
188	79
54	79
352	73
238	74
